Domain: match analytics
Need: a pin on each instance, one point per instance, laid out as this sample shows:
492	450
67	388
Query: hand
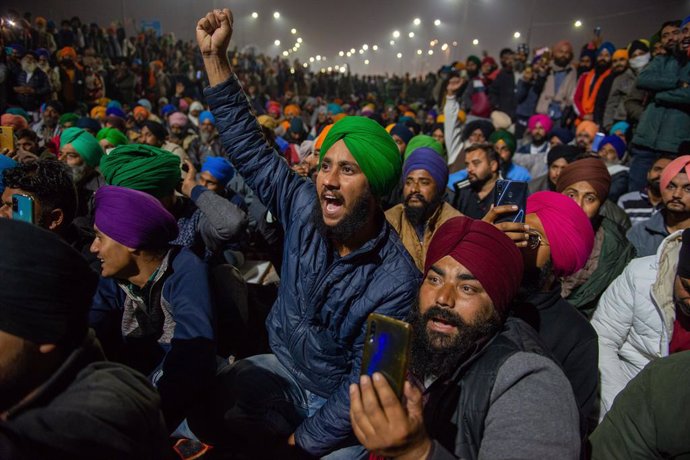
189	181
516	231
383	425
454	85
214	31
301	169
291	440
23	156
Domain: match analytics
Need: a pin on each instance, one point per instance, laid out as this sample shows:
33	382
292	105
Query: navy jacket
316	327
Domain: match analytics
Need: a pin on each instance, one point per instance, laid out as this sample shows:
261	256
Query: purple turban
132	218
430	161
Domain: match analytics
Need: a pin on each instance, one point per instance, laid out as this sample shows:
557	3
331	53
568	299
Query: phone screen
6	138
511	192
23	208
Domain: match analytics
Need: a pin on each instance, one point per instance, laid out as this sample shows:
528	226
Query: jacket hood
662	288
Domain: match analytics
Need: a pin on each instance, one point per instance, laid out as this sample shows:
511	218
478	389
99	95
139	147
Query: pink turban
563	43
485	251
677	166
544	120
567	228
17	122
178	119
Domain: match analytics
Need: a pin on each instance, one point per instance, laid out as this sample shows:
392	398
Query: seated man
58	397
110	137
558	158
425	175
50	186
587	182
612	150
82	153
675	215
342	261
474	197
640	206
538	127
505	144
152	310
642	315
482	387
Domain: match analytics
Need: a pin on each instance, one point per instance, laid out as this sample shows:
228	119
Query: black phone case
511	192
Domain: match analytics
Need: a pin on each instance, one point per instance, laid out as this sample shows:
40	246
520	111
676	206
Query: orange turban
98	112
292	110
141	111
620	54
589	127
322	136
67	51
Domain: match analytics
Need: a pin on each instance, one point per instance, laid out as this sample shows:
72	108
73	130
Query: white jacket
634	318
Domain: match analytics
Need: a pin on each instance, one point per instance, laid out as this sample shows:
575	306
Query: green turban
505	136
84	143
422	140
68	118
113	136
142	167
475	59
19	111
373	149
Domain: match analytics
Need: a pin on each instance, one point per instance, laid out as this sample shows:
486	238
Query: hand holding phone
511	192
387	350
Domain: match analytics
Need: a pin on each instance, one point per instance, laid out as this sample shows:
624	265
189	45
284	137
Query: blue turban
5	163
206	115
335	109
168	109
89	124
563	134
115	111
430	161
617	144
114	103
623	126
403	132
608	46
145	103
220	168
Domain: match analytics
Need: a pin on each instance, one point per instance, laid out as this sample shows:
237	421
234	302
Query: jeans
641	162
258	405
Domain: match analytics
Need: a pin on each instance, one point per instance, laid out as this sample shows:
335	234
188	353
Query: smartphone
23	207
596	144
6	138
387	350
511	192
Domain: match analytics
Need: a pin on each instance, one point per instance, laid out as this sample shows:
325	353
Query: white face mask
640	61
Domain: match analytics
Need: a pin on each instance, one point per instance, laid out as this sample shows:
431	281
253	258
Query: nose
95	247
330	178
445	296
414	187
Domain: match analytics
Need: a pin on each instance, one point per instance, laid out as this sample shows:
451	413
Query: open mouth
332	204
441	325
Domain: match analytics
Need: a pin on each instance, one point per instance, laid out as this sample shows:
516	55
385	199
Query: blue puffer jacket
316	327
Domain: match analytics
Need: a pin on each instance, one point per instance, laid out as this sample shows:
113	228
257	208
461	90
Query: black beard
437	354
654	187
420	214
538	140
478	183
349	225
472	73
534	280
602	67
562	62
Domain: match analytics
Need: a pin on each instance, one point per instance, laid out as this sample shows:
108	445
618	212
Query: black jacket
502	93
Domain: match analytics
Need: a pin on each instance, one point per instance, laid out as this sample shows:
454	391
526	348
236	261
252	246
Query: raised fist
214	31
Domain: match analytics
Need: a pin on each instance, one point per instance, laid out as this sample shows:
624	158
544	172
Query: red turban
485	251
677	166
590	170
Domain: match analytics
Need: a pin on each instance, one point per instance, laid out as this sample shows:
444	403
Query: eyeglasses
535	240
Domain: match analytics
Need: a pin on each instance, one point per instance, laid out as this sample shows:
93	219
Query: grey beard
205	136
80	172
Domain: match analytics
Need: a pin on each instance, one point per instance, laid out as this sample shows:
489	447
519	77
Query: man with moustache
640	206
341	262
590	83
32	86
619	64
560	85
425	175
674	184
48	126
474	196
481	385
82	153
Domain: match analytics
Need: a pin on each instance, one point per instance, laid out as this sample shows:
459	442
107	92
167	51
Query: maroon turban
485	251
590	170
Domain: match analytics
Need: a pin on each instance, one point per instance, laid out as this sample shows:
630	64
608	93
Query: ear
47	348
57	218
494	166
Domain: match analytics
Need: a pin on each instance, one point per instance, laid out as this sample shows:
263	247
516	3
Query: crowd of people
141	175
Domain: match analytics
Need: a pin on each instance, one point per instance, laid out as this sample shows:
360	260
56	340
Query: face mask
640	61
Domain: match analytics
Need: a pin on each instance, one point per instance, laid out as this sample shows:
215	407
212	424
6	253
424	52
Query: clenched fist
214	31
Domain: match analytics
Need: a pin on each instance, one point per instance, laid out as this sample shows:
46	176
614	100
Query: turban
677	166
422	140
168	109
157	130
297	125
40	21
115	111
206	115
616	142
568	152
588	51
68	117
132	218
17	122
55	105
113	135
140	111
145	103
196	105
338	117
485	126
292	110
88	123
84	143
485	251
19	111
322	136
500	120
505	136
590	170
544	120
642	45
184	105
403	132
273	107
115	104
373	149
683	269
47	287
116	122
608	46
489	60
563	43
220	168
428	160
334	109
42	53
305	149
569	231
142	167
474	59
98	112
178	119
267	121
563	134
621	54
5	163
589	127
622	126
67	52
